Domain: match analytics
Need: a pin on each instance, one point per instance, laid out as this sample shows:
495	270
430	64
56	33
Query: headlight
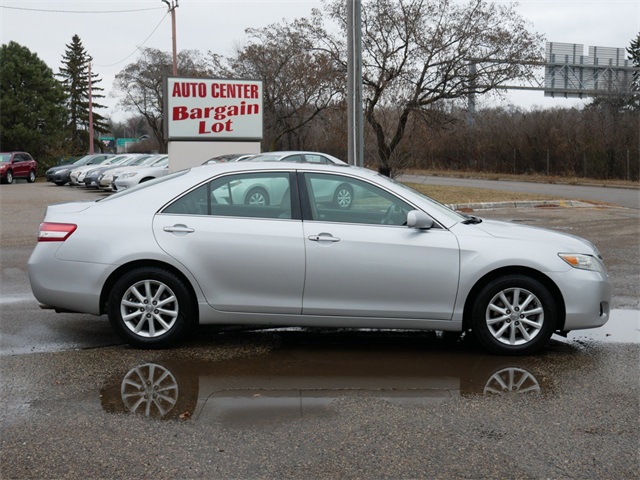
128	175
107	177
583	262
60	172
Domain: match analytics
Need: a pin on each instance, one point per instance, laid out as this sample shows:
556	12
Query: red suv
17	165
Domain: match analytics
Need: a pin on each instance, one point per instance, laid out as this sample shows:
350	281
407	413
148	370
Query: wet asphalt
77	403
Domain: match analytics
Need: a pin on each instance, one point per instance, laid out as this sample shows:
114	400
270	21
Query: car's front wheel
150	307
343	196
8	178
514	315
257	196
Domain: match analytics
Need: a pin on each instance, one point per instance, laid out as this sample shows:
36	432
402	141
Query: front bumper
587	298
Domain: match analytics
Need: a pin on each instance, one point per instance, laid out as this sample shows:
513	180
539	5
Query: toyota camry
177	251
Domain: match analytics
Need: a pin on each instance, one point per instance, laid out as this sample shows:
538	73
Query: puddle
309	371
623	327
297	380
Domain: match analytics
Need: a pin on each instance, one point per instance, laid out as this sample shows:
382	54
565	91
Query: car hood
515	231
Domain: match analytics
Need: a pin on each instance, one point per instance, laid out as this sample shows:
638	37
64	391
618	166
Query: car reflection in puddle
304	375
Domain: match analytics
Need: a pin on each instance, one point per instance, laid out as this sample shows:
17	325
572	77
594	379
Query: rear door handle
323	237
183	229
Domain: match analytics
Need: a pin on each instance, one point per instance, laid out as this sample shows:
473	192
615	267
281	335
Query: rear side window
248	195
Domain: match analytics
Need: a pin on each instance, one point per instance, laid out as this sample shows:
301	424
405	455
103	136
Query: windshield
265	158
140	161
6	157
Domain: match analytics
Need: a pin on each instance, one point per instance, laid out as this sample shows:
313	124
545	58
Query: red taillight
55	232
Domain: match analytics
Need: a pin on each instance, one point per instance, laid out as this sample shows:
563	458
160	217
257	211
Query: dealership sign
212	109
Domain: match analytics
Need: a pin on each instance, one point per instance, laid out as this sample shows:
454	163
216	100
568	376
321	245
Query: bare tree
300	82
142	84
417	53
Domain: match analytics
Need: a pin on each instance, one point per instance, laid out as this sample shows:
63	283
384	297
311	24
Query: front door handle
323	237
183	229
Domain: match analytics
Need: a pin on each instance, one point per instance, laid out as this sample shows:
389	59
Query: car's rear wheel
150	307
514	315
257	196
32	176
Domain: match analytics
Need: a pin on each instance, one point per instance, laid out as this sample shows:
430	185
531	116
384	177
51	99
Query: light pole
354	83
172	5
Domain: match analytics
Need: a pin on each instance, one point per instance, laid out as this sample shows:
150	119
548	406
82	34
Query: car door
245	257
364	262
19	166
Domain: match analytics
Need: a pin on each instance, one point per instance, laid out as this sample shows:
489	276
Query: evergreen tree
31	102
74	75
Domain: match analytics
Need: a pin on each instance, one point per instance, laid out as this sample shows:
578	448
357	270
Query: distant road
623	197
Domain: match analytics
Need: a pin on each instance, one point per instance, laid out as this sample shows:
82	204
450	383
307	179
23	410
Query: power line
79	11
139	46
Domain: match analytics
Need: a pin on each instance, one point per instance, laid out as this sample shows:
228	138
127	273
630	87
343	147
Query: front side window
336	198
249	195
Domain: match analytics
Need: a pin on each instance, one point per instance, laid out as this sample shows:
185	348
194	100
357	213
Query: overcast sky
46	27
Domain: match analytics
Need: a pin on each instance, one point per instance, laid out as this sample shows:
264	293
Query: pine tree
31	100
74	75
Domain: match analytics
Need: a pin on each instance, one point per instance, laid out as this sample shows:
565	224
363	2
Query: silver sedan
178	251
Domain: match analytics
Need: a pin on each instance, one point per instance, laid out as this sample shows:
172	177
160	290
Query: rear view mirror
418	219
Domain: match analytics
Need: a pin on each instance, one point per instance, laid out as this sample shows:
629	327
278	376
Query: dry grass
448	195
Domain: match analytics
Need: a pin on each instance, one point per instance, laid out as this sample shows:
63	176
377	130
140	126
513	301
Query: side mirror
419	220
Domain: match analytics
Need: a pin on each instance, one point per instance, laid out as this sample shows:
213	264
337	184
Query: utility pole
91	148
172	5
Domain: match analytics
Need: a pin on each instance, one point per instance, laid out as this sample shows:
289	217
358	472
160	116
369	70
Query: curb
466	207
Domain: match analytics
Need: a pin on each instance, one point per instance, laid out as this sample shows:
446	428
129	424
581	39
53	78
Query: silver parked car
172	254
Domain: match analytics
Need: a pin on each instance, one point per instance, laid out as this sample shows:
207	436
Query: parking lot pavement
311	404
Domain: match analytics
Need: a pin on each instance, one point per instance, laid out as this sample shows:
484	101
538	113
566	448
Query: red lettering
180	113
176	90
215	127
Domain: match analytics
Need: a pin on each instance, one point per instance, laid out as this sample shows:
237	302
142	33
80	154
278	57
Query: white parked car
130	178
75	173
105	181
172	255
296	156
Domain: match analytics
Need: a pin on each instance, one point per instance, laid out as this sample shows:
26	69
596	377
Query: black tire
343	196
32	176
257	196
514	315
157	327
8	178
